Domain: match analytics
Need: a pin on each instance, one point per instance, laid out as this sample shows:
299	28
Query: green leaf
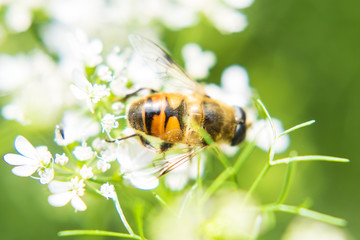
308	158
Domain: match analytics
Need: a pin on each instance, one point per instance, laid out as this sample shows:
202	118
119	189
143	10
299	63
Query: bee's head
240	128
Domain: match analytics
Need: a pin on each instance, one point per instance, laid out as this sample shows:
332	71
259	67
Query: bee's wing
161	63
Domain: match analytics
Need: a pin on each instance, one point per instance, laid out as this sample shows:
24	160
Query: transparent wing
162	64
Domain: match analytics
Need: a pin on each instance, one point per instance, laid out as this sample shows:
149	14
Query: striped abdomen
159	115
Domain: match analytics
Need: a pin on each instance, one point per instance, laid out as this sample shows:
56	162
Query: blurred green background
303	57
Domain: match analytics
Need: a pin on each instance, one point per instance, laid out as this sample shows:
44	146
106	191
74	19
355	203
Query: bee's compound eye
240	128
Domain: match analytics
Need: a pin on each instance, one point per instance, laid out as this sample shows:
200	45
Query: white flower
226	19
302	228
75	127
110	153
108	191
239	3
143	75
264	137
14	111
117	107
46	176
180	176
61	159
136	165
86	172
99	144
18	17
64	192
197	62
109	122
117	60
104	73
30	159
235	88
86	50
36	92
223	216
103	165
177	17
85	91
118	86
83	152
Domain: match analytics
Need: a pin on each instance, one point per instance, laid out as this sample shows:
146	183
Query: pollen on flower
78	185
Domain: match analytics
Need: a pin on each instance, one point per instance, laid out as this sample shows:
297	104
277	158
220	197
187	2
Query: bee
178	117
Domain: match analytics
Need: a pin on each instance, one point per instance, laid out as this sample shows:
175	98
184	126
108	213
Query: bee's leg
122	138
143	141
165	146
137	91
148	145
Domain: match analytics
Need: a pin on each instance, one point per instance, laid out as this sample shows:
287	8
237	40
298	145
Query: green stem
217	183
96	233
162	202
228	172
286	187
139	212
256	182
69	154
122	216
307	213
245	153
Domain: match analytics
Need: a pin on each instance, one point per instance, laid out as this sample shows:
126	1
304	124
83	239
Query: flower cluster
98	86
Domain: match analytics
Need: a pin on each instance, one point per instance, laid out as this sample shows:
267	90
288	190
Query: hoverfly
175	118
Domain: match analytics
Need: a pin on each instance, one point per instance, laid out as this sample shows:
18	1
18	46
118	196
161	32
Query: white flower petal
263	135
176	181
235	79
16	159
46	176
58	187
78	93
80	80
78	203
24	147
60	199
142	180
24	171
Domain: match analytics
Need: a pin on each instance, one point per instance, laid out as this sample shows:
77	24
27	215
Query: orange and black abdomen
159	115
